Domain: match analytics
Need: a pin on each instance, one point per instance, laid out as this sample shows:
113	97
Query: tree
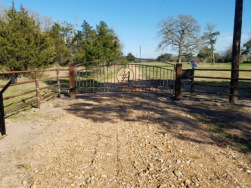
164	57
247	48
182	34
107	41
204	53
130	57
92	44
227	55
63	55
210	38
23	45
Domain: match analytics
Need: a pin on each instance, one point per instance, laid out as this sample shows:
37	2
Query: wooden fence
203	81
51	86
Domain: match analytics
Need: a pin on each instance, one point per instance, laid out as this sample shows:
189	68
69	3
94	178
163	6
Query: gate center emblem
125	75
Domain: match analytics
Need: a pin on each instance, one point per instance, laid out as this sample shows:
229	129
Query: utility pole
236	52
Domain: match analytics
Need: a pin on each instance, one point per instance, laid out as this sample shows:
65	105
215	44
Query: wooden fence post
37	88
2	121
72	81
58	82
178	70
192	83
233	98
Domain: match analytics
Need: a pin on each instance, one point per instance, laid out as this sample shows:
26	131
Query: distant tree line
182	34
28	41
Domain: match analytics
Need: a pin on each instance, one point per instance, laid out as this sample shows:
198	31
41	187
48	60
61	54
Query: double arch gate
117	75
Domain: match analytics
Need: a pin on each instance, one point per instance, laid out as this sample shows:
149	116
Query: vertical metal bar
107	70
150	79
127	84
178	81
135	79
2	120
97	79
156	79
86	76
92	77
89	79
97	76
114	74
81	78
93	72
163	79
143	80
160	78
121	80
167	81
104	77
140	78
77	77
58	82
37	88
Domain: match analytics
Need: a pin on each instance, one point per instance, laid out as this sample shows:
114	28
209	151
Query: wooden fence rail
51	83
189	79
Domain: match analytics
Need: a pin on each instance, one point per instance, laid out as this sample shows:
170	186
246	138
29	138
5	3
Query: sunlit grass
20	89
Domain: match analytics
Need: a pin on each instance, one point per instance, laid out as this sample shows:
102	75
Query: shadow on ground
201	122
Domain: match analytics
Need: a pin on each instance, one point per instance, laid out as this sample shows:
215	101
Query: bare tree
182	34
210	37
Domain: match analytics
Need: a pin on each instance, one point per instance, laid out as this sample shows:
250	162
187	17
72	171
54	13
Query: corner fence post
37	88
72	81
233	98
2	121
178	70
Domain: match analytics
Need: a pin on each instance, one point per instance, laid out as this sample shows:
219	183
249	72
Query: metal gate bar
134	77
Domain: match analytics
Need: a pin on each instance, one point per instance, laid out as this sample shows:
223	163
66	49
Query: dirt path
119	141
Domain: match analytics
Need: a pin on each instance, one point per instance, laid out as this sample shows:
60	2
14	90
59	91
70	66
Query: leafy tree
204	53
107	42
247	48
63	55
92	44
227	55
164	57
210	38
130	57
182	34
23	45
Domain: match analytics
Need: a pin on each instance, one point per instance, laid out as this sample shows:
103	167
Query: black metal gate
113	76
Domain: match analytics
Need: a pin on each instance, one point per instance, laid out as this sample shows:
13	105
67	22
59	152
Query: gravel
118	141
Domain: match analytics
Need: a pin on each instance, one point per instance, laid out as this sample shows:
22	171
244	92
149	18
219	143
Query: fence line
189	80
37	88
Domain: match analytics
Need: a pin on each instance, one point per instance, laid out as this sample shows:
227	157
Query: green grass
19	89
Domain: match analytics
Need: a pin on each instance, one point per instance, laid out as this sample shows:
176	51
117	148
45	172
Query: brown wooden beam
233	98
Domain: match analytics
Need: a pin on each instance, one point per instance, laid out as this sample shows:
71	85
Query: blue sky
135	21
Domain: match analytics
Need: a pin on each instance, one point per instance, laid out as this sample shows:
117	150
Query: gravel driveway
118	140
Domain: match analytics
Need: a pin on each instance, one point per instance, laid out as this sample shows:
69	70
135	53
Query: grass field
19	89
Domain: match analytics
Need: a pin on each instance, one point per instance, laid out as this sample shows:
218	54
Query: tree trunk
180	60
213	57
212	51
179	55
